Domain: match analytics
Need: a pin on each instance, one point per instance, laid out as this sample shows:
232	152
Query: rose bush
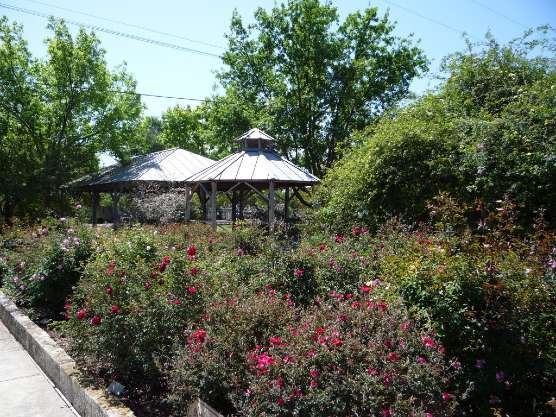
147	296
47	266
260	355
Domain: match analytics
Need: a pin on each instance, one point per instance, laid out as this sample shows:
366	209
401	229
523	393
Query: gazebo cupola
254	168
256	139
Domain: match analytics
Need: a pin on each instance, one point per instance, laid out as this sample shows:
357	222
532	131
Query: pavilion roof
254	165
164	168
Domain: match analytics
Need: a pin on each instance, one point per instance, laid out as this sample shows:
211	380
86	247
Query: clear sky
170	72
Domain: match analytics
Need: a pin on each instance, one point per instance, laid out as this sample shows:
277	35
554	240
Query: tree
318	80
210	128
148	137
489	132
181	128
57	113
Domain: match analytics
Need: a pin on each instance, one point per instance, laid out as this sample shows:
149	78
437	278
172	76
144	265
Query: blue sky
164	71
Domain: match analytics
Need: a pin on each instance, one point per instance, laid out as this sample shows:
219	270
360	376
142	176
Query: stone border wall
58	366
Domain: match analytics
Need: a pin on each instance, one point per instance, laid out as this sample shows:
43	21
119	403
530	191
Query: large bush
46	266
149	294
487	132
259	356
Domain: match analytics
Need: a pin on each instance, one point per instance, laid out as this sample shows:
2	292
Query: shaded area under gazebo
254	169
162	170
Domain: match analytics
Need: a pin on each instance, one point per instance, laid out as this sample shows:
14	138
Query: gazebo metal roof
255	165
163	168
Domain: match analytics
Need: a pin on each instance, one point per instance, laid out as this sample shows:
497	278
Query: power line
114	32
430	19
156	95
131	25
509	19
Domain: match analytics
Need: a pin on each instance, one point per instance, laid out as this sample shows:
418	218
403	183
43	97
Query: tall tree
319	79
57	113
181	128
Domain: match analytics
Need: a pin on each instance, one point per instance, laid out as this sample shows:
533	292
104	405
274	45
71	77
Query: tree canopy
316	79
56	113
488	132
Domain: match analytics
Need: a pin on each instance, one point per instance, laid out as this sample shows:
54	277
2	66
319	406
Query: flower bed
398	322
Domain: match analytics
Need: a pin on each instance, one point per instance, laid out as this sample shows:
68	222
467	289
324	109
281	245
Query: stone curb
57	365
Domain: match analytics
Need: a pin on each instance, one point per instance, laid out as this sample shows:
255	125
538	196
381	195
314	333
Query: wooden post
95	207
271	205
213	205
203	200
234	206
241	205
115	212
187	203
286	204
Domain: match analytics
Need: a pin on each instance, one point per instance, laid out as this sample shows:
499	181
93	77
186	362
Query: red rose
192	290
162	267
298	272
337	341
393	356
96	320
446	396
365	288
194	271
279	382
115	309
166	260
154	274
81	314
373	371
191	250
339	238
314	373
276	340
429	342
109	290
199	336
148	285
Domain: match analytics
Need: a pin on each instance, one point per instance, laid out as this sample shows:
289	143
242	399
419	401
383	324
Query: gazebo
164	169
253	169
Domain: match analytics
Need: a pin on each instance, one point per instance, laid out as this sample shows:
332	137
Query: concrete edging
58	365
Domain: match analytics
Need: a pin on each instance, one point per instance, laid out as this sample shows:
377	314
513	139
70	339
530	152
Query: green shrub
42	282
133	301
259	355
487	132
490	298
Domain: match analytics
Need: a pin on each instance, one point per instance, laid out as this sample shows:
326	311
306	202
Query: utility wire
114	32
430	19
157	95
131	25
509	19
